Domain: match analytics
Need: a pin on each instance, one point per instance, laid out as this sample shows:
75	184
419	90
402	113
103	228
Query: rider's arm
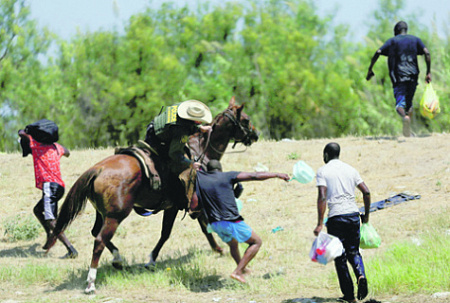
205	128
176	151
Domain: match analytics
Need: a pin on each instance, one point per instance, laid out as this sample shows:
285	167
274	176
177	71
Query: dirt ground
388	165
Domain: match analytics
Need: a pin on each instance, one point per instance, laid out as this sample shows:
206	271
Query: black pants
48	205
347	229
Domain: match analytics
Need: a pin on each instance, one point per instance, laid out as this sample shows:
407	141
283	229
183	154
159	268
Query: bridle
237	126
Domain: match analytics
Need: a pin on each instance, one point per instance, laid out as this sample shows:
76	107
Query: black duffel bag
43	131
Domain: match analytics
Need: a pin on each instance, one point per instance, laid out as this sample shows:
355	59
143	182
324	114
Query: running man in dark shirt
402	51
216	195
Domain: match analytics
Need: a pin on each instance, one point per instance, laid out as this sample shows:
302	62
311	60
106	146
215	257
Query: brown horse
116	185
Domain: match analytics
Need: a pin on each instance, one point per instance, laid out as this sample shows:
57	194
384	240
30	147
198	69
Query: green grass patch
21	228
181	271
32	273
293	156
420	265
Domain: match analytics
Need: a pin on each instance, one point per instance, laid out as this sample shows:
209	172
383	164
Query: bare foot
246	271
220	250
406	126
237	277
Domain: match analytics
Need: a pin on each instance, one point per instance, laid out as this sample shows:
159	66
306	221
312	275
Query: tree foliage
298	76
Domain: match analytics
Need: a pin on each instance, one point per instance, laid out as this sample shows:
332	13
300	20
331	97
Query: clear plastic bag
369	237
302	172
429	104
325	248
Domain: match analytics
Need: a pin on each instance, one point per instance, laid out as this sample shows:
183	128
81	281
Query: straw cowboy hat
195	111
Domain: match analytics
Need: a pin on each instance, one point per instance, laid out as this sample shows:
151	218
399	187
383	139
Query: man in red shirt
46	158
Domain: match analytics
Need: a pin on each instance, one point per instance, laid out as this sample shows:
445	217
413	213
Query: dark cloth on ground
394	200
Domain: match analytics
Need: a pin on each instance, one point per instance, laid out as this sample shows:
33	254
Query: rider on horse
169	132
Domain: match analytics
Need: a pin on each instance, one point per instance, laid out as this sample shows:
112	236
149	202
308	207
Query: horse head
243	130
231	124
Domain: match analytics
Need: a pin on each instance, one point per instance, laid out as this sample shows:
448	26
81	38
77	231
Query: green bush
293	156
21	227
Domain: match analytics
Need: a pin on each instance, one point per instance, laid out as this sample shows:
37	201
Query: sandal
362	288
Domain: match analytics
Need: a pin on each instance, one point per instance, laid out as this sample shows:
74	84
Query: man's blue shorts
228	230
404	94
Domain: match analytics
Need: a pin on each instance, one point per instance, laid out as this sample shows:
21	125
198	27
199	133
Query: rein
237	125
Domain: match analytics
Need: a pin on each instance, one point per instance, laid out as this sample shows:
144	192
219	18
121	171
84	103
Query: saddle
142	152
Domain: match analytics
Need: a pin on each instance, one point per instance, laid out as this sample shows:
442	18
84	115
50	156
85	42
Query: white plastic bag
325	248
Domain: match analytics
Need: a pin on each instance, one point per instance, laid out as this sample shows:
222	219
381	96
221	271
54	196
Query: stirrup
156	182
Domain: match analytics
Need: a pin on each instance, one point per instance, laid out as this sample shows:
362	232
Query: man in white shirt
336	182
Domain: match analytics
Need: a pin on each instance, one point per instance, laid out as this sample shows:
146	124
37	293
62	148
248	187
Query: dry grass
281	271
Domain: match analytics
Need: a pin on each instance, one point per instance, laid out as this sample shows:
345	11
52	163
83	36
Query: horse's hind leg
212	242
117	261
103	237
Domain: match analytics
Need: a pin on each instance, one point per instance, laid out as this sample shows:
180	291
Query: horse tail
76	200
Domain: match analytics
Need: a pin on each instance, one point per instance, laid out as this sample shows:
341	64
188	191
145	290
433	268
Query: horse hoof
117	265
117	262
150	266
90	289
70	255
151	263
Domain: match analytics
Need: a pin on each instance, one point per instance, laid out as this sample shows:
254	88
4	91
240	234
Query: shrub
293	156
21	227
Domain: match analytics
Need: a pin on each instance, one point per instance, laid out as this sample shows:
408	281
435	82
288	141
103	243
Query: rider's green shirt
165	119
172	129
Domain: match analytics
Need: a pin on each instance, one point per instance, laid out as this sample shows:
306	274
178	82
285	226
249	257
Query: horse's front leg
168	220
212	242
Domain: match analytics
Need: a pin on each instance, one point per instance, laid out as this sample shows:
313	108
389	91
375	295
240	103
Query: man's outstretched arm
260	176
